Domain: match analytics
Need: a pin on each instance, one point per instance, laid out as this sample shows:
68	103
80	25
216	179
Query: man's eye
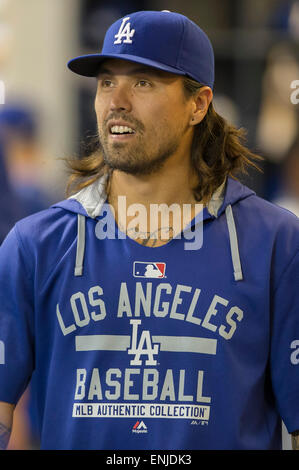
106	83
143	83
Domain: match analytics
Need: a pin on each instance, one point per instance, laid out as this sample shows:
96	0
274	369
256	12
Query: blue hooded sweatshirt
137	347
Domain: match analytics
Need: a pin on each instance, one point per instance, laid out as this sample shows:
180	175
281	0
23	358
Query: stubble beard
134	158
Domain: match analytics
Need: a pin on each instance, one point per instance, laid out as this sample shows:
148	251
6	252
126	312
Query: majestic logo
125	33
149	269
139	426
144	347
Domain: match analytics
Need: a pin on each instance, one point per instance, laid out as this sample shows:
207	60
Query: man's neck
164	187
144	195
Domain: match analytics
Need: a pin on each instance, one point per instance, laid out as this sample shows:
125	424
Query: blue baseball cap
162	39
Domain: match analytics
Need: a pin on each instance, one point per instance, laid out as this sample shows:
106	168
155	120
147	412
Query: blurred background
46	112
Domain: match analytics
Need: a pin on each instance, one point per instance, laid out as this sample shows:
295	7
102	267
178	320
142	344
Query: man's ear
200	105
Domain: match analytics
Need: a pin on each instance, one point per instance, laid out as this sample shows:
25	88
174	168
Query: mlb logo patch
149	269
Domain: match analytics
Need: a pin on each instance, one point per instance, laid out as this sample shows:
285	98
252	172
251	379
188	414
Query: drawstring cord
80	245
233	243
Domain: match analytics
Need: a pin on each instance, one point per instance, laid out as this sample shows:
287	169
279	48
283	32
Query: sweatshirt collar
93	197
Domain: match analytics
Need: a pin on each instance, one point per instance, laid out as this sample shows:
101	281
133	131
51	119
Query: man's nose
121	98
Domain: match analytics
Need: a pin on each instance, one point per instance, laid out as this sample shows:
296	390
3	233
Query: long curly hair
218	150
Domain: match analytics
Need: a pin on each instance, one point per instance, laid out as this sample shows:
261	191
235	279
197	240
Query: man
143	335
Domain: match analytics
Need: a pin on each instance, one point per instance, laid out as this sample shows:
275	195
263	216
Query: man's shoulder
269	213
45	224
40	219
258	210
269	224
274	209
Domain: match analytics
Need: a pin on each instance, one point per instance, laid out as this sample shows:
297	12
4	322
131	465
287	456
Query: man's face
143	117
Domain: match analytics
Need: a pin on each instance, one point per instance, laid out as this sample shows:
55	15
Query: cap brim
88	65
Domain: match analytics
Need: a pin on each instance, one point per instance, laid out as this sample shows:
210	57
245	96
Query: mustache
136	124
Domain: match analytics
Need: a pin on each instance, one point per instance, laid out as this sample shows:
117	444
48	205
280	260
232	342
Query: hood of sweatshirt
88	203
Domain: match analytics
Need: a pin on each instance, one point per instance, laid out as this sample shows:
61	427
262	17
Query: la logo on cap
124	32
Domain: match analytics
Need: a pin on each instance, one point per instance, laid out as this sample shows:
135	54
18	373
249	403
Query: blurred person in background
278	120
288	192
19	142
11	205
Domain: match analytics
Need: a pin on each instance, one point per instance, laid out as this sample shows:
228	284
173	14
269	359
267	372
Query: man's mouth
121	130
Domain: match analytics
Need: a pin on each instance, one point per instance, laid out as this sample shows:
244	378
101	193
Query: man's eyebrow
134	71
